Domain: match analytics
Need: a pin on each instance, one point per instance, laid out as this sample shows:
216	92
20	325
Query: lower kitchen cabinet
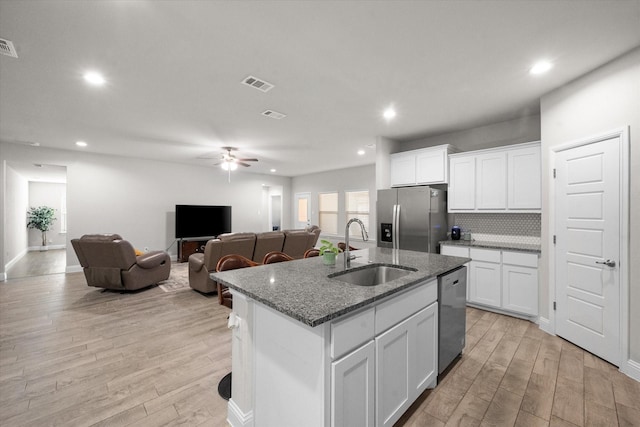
484	283
520	288
353	392
406	364
505	280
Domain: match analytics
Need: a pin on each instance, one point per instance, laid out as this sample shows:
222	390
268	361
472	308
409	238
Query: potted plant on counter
328	252
41	218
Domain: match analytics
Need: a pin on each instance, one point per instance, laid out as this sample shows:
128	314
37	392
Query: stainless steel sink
372	275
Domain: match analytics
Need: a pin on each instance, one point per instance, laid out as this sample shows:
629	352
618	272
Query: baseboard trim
46	248
235	416
15	259
73	268
631	369
545	325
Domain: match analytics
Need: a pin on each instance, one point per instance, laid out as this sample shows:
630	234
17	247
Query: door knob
608	263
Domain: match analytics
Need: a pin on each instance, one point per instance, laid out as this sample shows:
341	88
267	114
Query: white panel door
303	210
352	391
587	249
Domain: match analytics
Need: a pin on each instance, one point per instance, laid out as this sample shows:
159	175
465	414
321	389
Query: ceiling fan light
233	165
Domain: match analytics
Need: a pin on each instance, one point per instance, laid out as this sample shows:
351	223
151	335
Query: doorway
303	210
34	185
591	272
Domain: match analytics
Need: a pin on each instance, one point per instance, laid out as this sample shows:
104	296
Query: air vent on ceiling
258	84
6	48
273	114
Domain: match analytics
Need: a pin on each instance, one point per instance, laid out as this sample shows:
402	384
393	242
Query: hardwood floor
38	263
76	356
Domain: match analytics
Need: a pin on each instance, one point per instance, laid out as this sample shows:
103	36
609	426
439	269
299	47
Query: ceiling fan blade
243	164
248	160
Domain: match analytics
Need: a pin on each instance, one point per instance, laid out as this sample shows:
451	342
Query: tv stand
188	247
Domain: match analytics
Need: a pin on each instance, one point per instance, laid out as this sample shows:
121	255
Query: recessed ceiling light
361	152
81	143
541	67
272	170
389	113
94	78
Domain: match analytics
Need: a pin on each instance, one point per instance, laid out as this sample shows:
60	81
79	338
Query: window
357	206
328	213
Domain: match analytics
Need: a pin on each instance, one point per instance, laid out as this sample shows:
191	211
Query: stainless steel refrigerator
413	218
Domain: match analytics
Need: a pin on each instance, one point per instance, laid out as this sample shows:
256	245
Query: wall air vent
273	114
256	83
6	48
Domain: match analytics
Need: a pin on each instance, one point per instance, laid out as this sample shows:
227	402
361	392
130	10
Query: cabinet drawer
351	332
520	258
486	255
392	312
454	251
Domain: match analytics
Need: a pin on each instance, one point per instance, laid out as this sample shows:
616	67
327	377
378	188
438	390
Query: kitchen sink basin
372	275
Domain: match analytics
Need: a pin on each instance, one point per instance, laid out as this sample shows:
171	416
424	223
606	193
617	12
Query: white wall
15	223
47	194
341	180
136	198
605	99
516	131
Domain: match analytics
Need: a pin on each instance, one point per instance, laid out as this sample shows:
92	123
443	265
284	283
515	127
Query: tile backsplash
503	227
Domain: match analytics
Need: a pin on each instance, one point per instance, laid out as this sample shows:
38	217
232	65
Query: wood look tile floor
72	355
38	263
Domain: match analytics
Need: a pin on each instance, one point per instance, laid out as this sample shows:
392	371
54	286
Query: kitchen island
317	351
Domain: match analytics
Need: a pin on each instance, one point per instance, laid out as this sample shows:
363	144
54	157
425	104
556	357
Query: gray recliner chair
111	263
202	264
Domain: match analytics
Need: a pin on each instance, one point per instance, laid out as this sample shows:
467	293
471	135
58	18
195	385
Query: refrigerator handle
396	227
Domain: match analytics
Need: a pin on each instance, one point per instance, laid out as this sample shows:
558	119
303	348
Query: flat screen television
202	221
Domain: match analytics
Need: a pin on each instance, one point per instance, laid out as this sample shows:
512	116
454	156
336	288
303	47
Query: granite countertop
522	247
301	289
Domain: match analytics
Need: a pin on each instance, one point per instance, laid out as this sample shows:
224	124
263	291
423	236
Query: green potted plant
328	252
41	218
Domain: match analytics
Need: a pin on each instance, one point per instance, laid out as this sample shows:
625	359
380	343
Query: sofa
253	246
110	262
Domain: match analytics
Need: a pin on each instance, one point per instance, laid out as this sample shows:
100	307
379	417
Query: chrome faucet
365	237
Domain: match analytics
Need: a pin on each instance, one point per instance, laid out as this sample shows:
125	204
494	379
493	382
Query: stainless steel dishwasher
452	302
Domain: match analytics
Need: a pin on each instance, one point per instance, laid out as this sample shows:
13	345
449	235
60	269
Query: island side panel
291	371
240	406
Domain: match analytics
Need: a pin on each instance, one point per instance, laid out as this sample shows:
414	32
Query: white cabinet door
491	176
393	396
462	180
424	369
353	393
520	289
524	180
431	167
403	169
484	283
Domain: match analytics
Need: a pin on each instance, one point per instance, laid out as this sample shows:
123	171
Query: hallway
39	263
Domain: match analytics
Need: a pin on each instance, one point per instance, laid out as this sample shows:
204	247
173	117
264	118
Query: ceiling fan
229	162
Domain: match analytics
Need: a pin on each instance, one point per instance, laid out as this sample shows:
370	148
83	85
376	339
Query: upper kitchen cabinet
421	167
524	180
504	179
